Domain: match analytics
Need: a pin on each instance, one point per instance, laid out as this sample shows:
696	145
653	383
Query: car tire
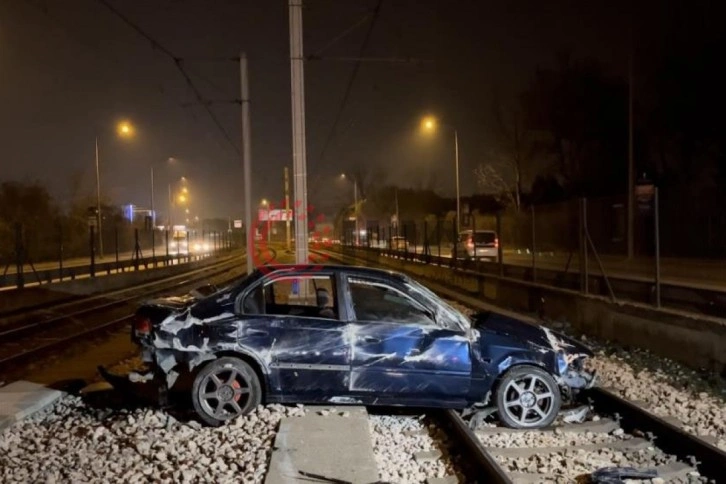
527	397
225	388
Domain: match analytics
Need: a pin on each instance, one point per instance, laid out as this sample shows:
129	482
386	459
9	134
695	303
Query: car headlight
206	246
561	360
197	247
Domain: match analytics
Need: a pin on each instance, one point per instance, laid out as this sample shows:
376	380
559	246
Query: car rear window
484	237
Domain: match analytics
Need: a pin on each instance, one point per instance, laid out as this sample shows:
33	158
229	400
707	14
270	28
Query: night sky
70	70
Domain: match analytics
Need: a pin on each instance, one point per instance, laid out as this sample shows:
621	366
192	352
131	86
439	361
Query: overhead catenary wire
178	62
351	80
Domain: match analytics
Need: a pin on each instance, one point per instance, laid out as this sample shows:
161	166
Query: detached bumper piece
141	385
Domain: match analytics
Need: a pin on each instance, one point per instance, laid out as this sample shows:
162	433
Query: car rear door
310	353
398	350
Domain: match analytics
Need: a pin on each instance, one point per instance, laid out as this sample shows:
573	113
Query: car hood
539	337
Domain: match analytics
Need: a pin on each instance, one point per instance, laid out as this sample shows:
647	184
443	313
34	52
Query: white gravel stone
394	447
668	388
73	442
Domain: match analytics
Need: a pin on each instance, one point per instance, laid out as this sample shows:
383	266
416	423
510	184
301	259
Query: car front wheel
527	397
224	389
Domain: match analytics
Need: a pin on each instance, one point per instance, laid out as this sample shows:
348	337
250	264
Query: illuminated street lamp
429	124
124	130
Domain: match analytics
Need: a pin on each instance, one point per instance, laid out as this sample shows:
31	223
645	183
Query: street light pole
458	197
98	205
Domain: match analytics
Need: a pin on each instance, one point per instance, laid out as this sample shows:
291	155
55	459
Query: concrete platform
21	399
324	448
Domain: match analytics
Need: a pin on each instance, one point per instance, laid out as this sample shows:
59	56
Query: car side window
254	302
304	295
377	301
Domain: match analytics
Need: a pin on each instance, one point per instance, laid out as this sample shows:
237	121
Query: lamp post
429	124
124	130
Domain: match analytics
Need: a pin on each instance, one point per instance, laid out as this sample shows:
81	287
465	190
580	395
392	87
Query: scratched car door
310	353
399	351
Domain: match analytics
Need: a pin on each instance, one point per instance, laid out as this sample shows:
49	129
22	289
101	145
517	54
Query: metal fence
53	255
580	245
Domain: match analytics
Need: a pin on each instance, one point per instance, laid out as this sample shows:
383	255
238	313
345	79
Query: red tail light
142	325
496	243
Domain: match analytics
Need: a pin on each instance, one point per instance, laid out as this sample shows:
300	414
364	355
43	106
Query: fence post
115	239
534	247
657	249
584	283
166	237
92	247
136	249
500	248
438	236
153	247
188	248
454	242
60	251
19	256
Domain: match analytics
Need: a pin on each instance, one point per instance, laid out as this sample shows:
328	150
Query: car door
398	350
310	352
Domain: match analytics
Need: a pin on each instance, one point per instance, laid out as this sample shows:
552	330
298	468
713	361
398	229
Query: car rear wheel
528	397
224	389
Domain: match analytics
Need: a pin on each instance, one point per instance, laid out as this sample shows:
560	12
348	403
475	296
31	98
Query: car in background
399	243
477	245
351	335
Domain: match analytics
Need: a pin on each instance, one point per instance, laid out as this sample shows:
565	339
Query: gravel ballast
398	441
73	442
667	388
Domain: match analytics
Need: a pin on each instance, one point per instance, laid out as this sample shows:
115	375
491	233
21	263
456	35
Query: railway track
41	331
620	433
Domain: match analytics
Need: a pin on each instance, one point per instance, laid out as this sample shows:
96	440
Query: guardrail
94	269
701	300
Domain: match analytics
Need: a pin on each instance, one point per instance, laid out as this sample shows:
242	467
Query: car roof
355	270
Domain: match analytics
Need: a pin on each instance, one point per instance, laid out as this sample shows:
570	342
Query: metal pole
153	220
631	170
287	210
20	256
657	249
60	251
115	238
355	211
297	82
534	248
91	239
585	256
170	206
247	160
98	205
500	247
458	200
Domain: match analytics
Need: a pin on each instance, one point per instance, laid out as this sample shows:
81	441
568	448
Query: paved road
706	274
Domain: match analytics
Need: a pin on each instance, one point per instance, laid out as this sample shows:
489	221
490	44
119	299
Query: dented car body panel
367	337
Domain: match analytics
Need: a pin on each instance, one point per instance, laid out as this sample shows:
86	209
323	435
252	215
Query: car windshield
446	315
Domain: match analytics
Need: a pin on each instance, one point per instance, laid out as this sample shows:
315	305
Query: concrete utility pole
247	160
287	210
297	87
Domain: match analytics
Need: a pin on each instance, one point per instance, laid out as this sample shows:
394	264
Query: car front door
398	350
310	351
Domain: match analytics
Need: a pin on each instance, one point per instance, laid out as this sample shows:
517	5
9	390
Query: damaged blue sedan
353	335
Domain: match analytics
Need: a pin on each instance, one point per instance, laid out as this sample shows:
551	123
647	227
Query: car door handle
370	339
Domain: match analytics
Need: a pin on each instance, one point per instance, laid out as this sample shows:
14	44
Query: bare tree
502	174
